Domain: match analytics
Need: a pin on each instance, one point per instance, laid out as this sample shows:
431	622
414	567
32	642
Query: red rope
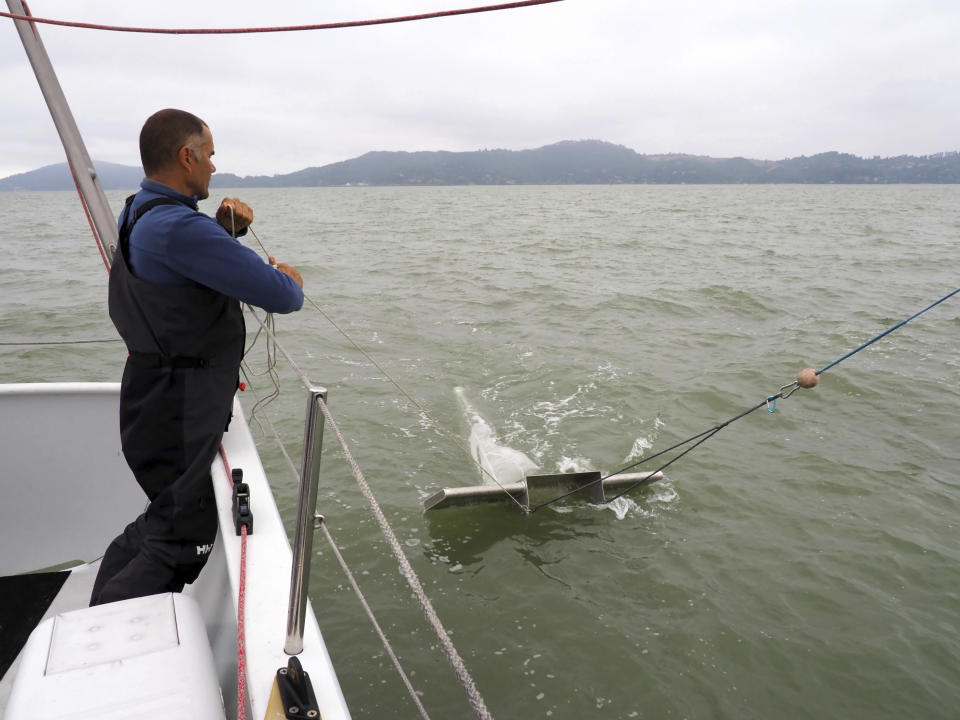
241	602
76	184
285	28
86	211
241	631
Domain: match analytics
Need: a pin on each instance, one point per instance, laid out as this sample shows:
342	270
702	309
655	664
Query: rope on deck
241	610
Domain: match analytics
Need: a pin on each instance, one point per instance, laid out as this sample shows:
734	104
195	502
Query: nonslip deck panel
24	600
143	657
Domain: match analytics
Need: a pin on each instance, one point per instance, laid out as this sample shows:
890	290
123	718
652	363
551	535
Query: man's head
175	148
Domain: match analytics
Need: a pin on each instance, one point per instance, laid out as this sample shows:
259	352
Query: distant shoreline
580	162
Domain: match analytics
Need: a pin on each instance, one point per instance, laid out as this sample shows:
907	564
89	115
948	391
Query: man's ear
185	158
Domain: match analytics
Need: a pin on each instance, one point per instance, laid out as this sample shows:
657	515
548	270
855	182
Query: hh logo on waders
204	549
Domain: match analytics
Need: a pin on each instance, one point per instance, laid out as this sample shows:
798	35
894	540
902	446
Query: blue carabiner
772	407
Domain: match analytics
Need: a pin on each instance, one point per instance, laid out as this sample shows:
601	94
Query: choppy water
800	564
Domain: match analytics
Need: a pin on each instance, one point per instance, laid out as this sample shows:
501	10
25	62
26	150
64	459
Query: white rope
388	648
453	657
473	694
303	378
376	625
270	370
413	401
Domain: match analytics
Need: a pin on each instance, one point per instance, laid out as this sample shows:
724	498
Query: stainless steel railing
306	512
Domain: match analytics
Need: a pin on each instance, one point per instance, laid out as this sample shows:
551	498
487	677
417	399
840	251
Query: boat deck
27	600
55	528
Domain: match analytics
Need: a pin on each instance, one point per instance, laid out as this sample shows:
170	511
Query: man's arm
201	250
235	217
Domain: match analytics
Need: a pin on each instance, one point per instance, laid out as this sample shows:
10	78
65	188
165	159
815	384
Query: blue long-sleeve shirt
178	245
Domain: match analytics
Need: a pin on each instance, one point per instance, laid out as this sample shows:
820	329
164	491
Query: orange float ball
808	378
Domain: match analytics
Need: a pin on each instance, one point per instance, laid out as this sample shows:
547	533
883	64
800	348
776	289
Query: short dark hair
162	136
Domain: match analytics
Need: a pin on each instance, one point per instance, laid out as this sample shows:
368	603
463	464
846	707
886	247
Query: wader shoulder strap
125	228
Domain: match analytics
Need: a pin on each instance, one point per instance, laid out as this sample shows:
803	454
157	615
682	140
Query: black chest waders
176	396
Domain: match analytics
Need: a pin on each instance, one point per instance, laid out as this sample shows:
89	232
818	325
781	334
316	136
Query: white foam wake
501	462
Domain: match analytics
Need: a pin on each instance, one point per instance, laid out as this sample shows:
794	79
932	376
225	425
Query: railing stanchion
306	510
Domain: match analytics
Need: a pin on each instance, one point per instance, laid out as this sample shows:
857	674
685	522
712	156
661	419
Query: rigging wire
770	402
887	332
105	254
419	406
406	569
387	646
281	28
700	438
58	342
476	700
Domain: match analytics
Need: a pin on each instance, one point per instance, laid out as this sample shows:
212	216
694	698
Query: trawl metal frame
541	487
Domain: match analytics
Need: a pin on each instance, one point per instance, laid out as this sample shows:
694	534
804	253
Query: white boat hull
68	492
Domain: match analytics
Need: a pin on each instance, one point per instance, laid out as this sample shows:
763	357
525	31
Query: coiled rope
270	370
281	28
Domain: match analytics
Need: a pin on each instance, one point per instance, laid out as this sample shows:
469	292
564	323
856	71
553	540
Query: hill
584	162
57	177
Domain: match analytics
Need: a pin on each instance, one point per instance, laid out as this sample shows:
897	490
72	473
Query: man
176	284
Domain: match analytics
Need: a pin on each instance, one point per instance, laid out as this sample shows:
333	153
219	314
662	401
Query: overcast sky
762	79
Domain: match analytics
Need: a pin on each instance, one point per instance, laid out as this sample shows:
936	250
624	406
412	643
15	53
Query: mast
95	205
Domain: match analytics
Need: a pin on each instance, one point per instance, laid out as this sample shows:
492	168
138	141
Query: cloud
770	80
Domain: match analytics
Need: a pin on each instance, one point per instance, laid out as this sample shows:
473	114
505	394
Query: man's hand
287	270
237	221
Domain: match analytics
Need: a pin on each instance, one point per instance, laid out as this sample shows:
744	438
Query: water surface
800	564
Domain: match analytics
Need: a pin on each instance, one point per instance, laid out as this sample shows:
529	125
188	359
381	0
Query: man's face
201	151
